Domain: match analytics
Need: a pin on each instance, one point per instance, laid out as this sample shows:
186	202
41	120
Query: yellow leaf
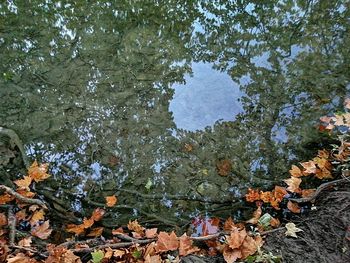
111	200
24	183
38	172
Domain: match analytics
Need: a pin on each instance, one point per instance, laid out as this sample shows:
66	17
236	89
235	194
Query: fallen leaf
236	238
266	197
38	172
118	231
119	253
21	215
295	171
42	231
76	229
293	184
36	217
111	200
153	259
274	222
323	154
252	195
167	242
151	233
279	192
307	192
97	214
310	167
292	230
323	174
256	215
224	167
25	242
3	219
136	227
250	246
69	257
229	225
25	193
96	232
21	258
6	198
24	183
231	255
97	256
186	246
293	207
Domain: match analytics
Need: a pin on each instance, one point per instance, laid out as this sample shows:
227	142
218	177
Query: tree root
22	198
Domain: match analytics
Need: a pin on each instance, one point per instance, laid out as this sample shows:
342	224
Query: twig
12	225
29	250
22	198
209	237
318	191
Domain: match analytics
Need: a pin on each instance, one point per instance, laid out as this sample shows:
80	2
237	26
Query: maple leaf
153	259
292	230
310	167
6	198
96	232
186	246
229	225
25	242
21	215
279	192
322	163
295	171
231	255
42	231
88	222
76	229
111	200
167	242
252	195
256	215
151	233
224	167
118	231
97	214
236	238
38	172
136	227
293	184
24	183
266	197
293	207
250	246
21	258
323	174
25	193
307	192
3	219
38	215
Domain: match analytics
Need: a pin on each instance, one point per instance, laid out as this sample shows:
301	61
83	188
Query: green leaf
97	256
137	254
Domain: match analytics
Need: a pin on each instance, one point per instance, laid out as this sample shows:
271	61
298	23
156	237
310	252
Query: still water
176	107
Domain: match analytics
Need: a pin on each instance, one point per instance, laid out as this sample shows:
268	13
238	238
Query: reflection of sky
207	96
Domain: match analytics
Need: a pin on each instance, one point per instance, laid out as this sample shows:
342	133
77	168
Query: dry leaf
42	231
279	192
136	227
231	255
118	231
256	215
97	214
236	238
229	225
96	232
153	259
3	219
307	192
6	198
38	172
250	246
186	246
167	242
111	200
25	242
76	229
292	230
38	215
293	184
21	258
266	197
323	174
151	233
252	195
295	171
24	183
310	167
293	207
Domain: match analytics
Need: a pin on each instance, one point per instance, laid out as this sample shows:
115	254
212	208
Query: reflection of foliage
89	83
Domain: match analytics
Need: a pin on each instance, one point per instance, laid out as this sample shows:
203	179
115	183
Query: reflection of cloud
207	97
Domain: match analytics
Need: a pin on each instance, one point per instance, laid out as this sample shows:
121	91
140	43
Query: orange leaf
307	192
21	215
97	214
293	184
310	167
186	246
229	225
117	231
252	195
279	192
295	171
167	242
88	222
25	193
236	238
293	207
38	215
3	219
25	242
250	246
111	200
38	172
323	174
76	229
231	255
136	227
24	183
151	233
274	222
96	232
266	197
6	198
256	215
42	231
323	154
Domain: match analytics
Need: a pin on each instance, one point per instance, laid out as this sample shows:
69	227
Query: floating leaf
24	183
292	230
97	214
38	172
111	200
252	195
293	184
295	171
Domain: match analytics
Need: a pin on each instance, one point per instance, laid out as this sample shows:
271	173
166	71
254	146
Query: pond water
176	107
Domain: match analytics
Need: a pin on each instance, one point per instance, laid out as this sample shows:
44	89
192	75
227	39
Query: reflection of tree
89	86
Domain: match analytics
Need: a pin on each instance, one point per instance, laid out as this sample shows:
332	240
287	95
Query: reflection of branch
22	198
318	191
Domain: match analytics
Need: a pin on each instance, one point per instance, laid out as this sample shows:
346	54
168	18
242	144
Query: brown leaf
307	192
256	215
97	214
21	258
25	193
38	172
96	232
111	200
323	174
3	219
24	183
6	198
236	238
295	171
136	227
224	167
231	255
153	259
167	242
293	184
76	229
293	207
310	167
88	222
323	154
151	233
186	246
25	242
118	231
229	225
69	257
252	195
250	246
274	222
21	215
38	215
266	197
119	253
42	231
